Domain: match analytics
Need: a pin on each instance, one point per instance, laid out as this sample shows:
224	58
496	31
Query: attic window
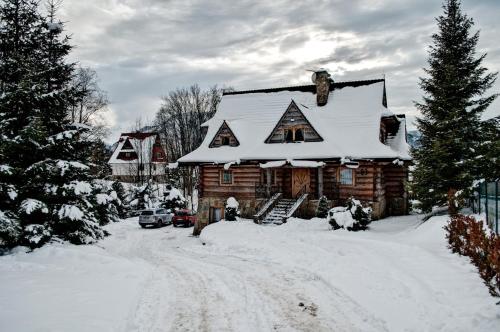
293	127
294	135
224	137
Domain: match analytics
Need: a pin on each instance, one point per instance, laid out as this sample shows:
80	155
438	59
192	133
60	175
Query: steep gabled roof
349	124
142	145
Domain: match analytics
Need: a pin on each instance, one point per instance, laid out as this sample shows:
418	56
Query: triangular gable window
293	127
224	136
127	145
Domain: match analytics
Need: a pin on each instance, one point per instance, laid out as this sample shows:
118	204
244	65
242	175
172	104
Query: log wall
244	179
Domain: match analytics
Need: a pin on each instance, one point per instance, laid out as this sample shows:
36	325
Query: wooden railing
266	208
265	191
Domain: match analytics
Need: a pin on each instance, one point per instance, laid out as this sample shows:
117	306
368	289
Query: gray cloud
142	49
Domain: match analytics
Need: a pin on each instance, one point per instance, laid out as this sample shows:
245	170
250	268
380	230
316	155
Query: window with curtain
346	176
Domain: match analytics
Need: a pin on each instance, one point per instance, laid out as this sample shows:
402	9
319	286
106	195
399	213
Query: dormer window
293	127
224	137
294	135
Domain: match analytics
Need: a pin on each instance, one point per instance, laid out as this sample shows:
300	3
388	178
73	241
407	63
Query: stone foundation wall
248	207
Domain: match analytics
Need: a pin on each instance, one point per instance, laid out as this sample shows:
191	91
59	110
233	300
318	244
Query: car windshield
181	213
146	213
159	212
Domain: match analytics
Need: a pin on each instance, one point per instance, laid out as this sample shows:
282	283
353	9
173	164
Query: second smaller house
138	156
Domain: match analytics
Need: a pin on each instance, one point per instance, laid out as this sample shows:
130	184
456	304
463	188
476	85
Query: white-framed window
227	177
346	176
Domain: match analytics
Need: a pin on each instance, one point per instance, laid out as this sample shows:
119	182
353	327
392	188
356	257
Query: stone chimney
322	80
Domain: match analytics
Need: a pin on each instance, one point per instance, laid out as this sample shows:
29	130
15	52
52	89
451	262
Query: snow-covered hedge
470	237
231	211
353	216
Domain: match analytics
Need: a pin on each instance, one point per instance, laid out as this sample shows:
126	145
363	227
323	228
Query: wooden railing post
320	182
268	182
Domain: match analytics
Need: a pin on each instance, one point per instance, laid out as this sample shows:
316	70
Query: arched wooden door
300	179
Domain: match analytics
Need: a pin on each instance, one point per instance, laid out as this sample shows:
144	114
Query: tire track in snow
189	291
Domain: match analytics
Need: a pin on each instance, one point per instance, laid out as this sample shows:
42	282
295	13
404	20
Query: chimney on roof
322	80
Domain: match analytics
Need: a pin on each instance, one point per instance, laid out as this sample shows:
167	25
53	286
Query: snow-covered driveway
239	276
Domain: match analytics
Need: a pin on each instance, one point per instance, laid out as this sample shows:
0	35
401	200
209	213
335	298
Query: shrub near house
469	237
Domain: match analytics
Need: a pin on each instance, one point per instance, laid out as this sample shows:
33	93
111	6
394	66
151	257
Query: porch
292	182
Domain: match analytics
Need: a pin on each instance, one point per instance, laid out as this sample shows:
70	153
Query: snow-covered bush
353	216
173	199
231	211
10	230
106	202
322	210
120	197
469	237
142	197
35	236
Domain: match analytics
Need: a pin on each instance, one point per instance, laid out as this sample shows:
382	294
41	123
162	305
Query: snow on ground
238	276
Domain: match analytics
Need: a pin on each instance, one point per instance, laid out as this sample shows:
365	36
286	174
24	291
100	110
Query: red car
186	218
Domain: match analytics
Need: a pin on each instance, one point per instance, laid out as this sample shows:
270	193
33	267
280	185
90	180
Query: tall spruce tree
451	127
46	186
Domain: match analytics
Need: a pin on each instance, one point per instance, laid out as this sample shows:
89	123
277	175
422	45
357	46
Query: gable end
224	136
293	120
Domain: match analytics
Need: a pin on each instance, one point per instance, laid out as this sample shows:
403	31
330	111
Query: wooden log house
287	147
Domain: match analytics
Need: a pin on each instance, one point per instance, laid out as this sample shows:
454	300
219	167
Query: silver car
155	217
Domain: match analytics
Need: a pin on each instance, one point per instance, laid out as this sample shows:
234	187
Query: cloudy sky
142	49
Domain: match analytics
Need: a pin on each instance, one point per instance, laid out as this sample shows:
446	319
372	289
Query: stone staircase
280	212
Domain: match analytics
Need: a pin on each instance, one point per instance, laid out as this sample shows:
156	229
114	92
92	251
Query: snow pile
352	217
231	211
232	203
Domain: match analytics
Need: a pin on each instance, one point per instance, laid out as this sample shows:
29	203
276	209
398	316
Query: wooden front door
300	179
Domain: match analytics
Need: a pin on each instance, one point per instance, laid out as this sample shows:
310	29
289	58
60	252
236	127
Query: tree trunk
452	202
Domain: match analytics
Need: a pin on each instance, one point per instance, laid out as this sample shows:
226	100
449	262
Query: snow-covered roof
349	125
142	144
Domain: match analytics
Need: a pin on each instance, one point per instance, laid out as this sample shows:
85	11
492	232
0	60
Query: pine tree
446	160
48	183
322	210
